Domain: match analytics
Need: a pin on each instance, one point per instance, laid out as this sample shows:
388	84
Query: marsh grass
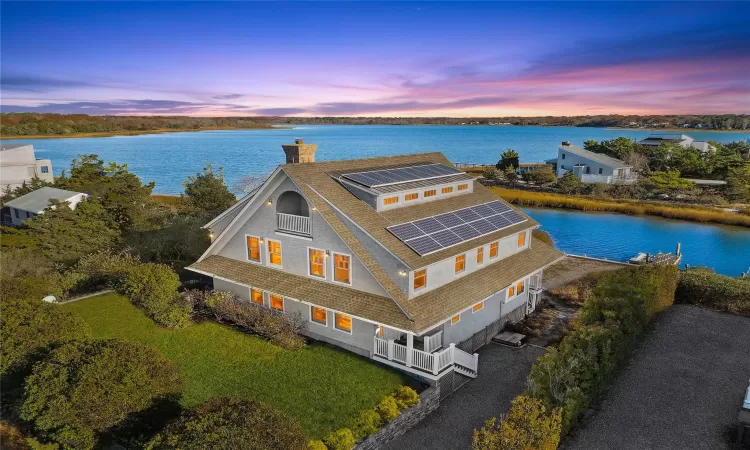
697	214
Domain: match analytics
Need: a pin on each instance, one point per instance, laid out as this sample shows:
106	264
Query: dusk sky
376	59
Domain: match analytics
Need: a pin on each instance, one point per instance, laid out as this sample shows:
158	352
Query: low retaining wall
429	400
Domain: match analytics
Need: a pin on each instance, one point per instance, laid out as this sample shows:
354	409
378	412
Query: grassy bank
131	133
696	214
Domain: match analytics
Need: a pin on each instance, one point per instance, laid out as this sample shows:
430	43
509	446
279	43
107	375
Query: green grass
322	387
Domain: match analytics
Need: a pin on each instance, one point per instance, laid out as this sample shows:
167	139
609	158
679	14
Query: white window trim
392	205
412	200
475	304
315	321
325	269
489	250
450	321
414	276
455	261
333	268
260	249
514	285
351	320
262	296
484	256
283	303
268	255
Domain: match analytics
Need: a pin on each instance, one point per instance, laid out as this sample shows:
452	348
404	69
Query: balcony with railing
294	223
293	214
430	362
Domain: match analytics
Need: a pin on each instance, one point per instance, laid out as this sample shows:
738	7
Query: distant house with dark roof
402	259
683	140
592	167
34	203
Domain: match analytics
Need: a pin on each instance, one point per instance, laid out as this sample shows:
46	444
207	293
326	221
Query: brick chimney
299	152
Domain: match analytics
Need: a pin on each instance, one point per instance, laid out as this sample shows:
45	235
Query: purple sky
376	59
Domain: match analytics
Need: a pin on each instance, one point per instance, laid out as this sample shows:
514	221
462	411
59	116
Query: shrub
342	439
153	287
316	444
714	291
281	329
528	425
83	389
491	173
11	438
230	423
106	268
27	327
406	397
366	424
387	409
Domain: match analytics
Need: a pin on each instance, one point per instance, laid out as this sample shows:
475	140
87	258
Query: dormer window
412	196
463	187
460	263
430	193
420	279
446	190
390	200
521	239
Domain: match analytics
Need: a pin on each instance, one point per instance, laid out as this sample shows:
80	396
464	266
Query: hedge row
369	421
703	288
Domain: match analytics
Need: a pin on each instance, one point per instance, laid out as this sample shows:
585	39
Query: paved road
682	389
502	376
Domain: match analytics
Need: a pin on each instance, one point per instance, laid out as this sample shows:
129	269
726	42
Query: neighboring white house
592	167
34	203
18	165
683	140
402	259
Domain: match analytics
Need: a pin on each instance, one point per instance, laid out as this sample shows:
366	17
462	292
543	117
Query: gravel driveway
682	389
502	376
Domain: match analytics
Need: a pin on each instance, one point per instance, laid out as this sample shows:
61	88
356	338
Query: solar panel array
435	233
384	177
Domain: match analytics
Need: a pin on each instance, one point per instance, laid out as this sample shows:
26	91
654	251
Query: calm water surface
620	237
169	158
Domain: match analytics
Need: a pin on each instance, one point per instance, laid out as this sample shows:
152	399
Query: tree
570	184
230	423
528	425
28	326
208	192
738	184
64	235
508	158
178	241
617	148
511	175
491	173
592	146
121	193
637	160
668	181
542	175
83	389
25	188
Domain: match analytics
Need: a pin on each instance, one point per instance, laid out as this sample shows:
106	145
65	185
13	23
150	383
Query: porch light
210	235
314	208
403	273
269	202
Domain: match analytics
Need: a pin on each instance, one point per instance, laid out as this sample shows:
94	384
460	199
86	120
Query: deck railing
293	223
434	342
433	362
399	353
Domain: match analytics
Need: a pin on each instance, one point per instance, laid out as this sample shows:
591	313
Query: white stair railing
466	360
297	224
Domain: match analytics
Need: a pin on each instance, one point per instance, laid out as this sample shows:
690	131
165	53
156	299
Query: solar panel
381	177
435	233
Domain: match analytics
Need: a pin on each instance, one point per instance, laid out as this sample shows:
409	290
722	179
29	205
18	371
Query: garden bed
323	388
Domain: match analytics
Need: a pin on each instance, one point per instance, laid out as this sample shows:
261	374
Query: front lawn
322	387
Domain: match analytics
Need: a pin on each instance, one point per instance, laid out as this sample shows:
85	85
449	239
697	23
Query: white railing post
409	348
476	363
390	349
435	365
452	348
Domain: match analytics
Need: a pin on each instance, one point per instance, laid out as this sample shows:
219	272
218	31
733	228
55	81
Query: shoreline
135	132
674	130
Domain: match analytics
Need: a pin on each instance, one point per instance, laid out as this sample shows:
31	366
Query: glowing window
480	255
456	318
447	190
420	279
519	288
390	200
460	263
413	196
274	252
463	187
493	249
521	239
317	263
343	322
319	315
256	295
253	249
511	291
341	268
277	302
477	307
430	193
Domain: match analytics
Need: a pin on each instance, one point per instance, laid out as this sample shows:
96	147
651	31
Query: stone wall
429	400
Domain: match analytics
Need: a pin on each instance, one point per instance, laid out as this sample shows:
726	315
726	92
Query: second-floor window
412	196
317	263
463	187
511	291
420	279
447	190
256	296
253	248
45	169
460	263
342	268
493	249
521	239
274	253
430	193
480	255
390	200
563	156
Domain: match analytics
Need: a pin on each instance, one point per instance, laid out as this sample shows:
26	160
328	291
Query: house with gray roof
34	203
402	259
592	167
683	140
